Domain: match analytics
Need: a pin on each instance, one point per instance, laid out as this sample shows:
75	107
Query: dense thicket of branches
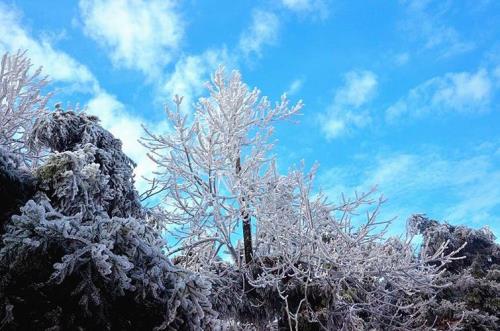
79	251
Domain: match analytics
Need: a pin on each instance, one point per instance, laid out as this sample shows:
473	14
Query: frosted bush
298	261
472	299
80	255
110	269
88	171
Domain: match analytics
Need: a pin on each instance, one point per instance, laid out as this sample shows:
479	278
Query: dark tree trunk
247	237
246	224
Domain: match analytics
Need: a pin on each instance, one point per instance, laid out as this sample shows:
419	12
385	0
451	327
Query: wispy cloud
318	7
453	92
295	87
262	31
190	75
401	59
141	35
426	20
60	66
415	182
346	111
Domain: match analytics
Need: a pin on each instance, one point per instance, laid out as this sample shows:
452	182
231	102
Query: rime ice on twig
21	102
212	167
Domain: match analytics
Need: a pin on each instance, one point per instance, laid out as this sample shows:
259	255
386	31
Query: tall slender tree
215	165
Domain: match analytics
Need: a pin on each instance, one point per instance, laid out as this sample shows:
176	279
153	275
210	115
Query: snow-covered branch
21	102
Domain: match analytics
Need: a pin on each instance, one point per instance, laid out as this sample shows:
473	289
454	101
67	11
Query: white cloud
295	86
460	189
58	65
263	31
137	34
190	75
307	6
454	92
128	128
359	87
345	113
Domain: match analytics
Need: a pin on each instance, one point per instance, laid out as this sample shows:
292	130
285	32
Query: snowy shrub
79	256
108	273
88	172
304	263
473	295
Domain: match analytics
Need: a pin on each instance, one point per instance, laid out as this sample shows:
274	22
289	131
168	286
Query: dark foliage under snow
473	294
16	186
76	256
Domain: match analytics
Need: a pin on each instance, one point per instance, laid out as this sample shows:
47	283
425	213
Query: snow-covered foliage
79	256
111	270
318	270
473	297
89	172
21	101
335	270
309	264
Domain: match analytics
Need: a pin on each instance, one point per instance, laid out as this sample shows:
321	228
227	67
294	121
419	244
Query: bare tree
21	101
212	167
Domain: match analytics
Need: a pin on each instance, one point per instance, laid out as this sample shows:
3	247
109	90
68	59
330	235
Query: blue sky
399	94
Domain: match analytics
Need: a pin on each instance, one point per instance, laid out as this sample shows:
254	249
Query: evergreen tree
80	253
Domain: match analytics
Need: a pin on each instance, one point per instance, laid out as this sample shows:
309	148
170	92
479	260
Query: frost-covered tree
81	254
213	167
309	264
21	102
61	272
